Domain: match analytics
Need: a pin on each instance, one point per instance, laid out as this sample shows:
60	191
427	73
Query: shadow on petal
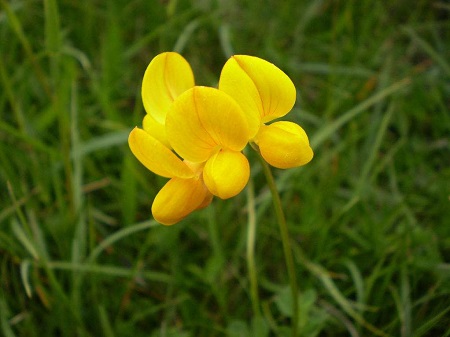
155	129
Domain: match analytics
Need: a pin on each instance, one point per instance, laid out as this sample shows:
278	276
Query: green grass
369	217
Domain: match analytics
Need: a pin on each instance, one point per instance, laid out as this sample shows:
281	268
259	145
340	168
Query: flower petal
204	119
156	157
178	198
257	84
155	129
167	76
284	145
235	82
226	173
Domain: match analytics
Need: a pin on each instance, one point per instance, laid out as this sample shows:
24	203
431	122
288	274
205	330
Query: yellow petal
284	145
156	130
236	83
156	157
203	120
258	85
178	198
226	173
167	76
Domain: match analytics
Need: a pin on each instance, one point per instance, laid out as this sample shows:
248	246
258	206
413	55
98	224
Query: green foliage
368	217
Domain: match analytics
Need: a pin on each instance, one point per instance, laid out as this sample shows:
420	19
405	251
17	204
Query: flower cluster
195	135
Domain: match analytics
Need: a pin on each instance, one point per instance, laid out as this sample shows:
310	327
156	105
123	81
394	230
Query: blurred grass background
369	216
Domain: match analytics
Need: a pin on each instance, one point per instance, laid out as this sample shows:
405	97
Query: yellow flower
205	127
265	93
208	129
167	76
194	135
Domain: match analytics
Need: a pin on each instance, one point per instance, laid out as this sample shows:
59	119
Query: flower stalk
251	235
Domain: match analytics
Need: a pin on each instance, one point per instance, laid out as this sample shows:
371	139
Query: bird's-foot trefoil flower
184	193
167	76
208	129
194	135
266	93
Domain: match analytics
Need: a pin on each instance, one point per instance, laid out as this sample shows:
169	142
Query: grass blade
327	131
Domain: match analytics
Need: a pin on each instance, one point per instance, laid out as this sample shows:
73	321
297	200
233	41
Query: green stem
285	240
251	234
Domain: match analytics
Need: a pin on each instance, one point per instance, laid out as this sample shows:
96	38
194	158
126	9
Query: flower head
194	135
266	93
